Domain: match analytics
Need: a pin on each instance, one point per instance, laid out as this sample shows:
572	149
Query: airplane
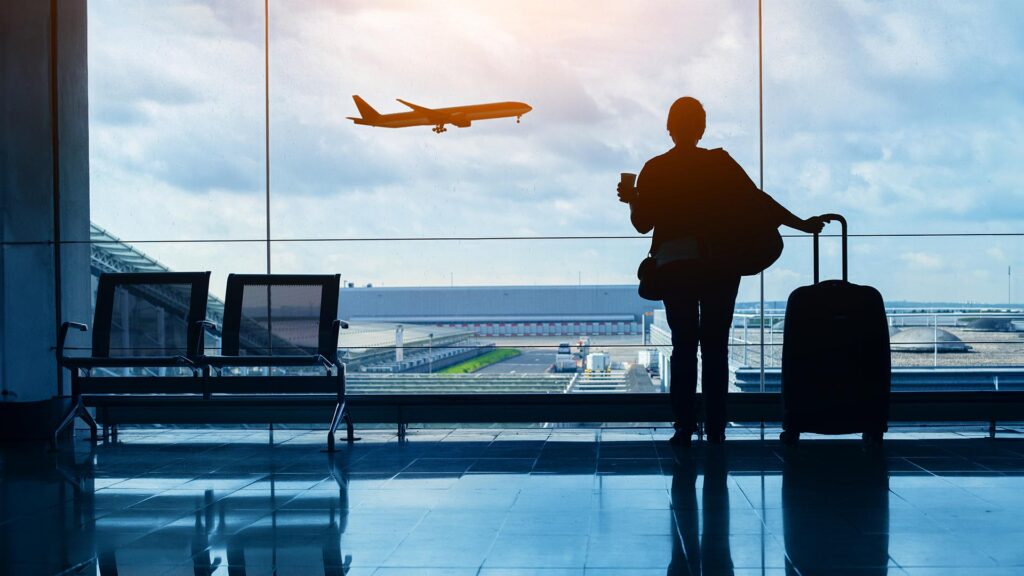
460	116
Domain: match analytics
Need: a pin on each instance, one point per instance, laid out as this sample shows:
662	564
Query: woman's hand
627	193
812	225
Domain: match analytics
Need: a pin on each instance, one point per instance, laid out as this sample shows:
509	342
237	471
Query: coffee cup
627	179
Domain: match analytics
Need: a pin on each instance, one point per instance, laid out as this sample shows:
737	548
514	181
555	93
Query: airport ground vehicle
649	360
599	362
564	359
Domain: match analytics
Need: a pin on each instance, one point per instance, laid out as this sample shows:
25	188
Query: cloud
923	261
996	253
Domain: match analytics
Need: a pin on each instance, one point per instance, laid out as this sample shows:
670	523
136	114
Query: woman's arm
812	225
777	212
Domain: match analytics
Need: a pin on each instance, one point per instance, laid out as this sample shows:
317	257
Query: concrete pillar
44	196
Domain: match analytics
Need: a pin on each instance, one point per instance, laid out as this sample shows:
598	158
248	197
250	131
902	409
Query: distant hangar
503	310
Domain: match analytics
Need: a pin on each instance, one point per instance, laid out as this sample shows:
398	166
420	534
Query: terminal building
237	451
584	310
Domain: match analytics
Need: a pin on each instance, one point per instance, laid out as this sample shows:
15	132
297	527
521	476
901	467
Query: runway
531	361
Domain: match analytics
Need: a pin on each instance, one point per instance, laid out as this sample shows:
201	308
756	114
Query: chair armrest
336	325
188	364
63	335
334	330
328	365
201	344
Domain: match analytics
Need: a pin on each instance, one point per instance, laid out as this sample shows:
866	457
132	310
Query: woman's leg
681	314
718	299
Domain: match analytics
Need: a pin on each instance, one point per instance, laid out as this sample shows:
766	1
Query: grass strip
474	364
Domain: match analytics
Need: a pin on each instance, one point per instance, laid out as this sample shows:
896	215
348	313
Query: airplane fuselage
461	116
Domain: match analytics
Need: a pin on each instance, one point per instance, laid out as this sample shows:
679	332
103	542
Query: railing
745	349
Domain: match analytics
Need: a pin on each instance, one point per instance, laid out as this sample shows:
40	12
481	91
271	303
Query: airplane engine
461	123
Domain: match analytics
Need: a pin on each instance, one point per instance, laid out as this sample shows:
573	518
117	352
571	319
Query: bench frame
403	409
326	355
82	382
207	388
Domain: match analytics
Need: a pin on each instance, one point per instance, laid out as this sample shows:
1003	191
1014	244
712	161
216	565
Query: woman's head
686	121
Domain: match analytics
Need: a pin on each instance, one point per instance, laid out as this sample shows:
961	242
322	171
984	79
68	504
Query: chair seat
133	362
305	360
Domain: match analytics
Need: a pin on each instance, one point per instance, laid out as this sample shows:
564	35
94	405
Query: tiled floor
527	502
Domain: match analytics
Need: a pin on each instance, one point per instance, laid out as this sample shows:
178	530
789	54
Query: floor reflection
497	502
835	509
46	510
220	542
696	550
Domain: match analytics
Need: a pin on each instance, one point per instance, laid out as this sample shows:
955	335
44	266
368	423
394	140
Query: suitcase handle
842	222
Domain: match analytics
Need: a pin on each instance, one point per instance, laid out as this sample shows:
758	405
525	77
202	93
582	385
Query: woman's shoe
681	439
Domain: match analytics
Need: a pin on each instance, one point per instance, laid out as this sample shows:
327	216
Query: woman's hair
686	119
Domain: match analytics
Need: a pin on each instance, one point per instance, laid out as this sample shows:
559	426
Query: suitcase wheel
872	439
789	438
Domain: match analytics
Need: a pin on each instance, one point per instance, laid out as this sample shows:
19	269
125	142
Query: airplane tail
365	110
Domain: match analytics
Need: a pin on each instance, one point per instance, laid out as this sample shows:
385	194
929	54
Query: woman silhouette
695	199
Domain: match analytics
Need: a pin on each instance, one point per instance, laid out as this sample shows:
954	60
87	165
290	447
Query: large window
501	241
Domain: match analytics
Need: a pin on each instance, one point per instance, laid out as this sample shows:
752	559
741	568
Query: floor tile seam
893	561
926	471
977	463
295	441
252	481
229	533
98	516
993	503
77	568
912	566
153	493
153	530
134	507
966	493
384	561
246	526
419	522
750	502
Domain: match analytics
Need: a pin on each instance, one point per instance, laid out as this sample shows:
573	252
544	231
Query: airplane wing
417	107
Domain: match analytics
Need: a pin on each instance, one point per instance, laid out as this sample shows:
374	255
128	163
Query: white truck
599	362
649	360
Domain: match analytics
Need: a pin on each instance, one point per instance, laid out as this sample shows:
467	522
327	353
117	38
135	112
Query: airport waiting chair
279	331
143	324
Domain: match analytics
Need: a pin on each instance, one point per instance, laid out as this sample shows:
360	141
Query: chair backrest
144	314
281	315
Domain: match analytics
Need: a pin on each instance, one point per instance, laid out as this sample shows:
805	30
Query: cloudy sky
907	117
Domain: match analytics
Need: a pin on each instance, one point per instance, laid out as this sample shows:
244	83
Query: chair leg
77	410
88	419
349	426
338	410
69	417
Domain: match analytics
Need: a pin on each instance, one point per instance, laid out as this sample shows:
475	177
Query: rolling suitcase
836	369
